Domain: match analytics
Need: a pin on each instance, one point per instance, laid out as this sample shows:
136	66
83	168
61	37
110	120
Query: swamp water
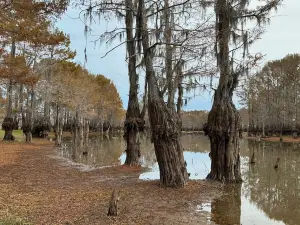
266	196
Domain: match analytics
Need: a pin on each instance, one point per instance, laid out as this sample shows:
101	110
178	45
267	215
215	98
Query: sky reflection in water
267	196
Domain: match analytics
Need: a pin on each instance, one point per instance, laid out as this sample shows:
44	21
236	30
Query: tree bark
28	120
76	127
8	122
223	119
163	122
86	131
47	112
81	130
168	56
58	126
143	111
47	102
22	103
133	120
180	93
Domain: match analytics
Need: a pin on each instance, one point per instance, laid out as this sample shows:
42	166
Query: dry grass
43	189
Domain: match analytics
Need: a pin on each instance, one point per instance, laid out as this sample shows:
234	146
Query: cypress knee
113	205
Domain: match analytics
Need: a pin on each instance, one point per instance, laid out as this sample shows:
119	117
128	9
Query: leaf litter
42	188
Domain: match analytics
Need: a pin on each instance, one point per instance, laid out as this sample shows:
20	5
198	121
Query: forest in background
41	88
271	98
174	44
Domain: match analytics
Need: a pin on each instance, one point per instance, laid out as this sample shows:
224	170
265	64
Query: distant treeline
271	98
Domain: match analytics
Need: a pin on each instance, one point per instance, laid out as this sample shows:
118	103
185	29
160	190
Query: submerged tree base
215	177
131	132
167	144
223	130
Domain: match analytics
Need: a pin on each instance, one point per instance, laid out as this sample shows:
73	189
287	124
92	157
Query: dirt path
42	189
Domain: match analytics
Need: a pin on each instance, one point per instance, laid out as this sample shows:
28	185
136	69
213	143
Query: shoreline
285	139
40	188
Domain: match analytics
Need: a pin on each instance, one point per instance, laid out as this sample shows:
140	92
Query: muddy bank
41	188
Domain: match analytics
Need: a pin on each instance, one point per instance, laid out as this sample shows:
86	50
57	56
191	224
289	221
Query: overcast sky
281	38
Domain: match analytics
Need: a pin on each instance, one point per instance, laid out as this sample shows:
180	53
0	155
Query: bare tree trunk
8	122
86	131
180	93
28	120
21	99
47	103
263	129
143	111
132	121
223	119
81	130
76	127
17	97
47	111
163	122
58	126
168	57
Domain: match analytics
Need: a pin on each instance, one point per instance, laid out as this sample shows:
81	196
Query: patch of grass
18	135
12	220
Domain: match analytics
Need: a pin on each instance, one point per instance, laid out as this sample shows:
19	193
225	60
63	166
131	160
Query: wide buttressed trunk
8	123
133	121
163	121
223	122
133	153
223	119
167	144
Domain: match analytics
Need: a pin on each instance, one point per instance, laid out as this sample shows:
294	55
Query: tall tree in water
133	121
223	119
163	121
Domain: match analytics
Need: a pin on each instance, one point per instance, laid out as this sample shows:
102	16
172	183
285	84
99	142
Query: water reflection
274	191
96	152
267	196
227	210
198	164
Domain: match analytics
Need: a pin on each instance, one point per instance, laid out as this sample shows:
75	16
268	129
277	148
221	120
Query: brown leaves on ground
44	189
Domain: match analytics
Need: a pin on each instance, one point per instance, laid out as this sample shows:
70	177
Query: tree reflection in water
227	209
267	196
276	192
97	151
